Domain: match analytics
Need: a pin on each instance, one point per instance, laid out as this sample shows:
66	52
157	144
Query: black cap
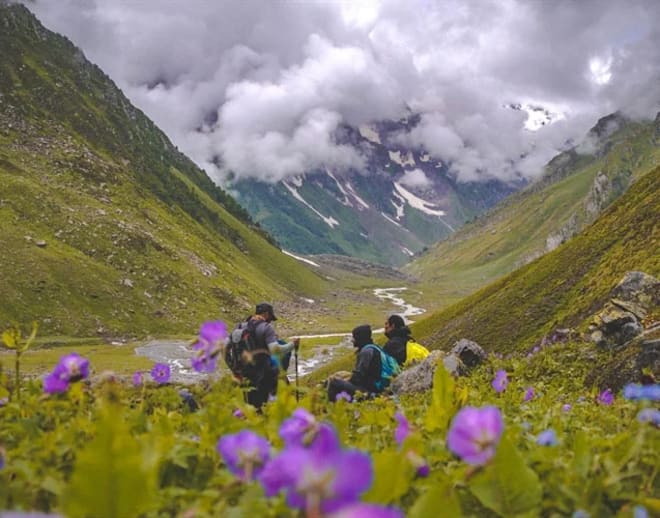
264	307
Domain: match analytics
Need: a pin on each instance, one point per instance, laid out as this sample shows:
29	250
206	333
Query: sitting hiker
373	368
256	357
398	335
400	344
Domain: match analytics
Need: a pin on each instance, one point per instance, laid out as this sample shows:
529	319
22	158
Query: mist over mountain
253	89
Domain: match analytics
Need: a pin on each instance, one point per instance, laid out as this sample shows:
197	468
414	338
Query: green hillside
563	287
564	201
105	227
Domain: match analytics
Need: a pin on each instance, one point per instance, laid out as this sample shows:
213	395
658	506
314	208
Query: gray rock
454	365
419	377
470	353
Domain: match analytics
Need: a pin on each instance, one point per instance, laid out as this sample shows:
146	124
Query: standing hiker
373	368
254	353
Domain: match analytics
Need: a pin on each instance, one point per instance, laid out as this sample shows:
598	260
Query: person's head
394	322
361	335
266	311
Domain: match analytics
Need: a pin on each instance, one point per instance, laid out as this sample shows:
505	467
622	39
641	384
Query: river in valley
177	353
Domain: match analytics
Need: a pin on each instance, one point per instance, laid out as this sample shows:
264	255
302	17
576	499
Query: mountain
576	187
399	203
105	227
563	288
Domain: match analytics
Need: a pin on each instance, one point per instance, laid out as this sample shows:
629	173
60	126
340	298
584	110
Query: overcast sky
261	85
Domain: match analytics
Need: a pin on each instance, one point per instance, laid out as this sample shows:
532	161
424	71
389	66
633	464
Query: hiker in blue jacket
368	376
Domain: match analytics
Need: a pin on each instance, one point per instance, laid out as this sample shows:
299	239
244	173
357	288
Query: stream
177	353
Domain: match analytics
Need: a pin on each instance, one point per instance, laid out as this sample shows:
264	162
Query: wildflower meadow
507	440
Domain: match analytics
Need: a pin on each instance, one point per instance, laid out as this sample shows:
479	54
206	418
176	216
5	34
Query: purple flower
55	384
529	394
71	368
2	457
212	332
361	510
566	408
606	397
4	401
501	381
138	378
637	392
321	478
343	395
299	429
474	434
245	453
402	430
649	415
422	469
161	373
205	358
580	513
238	414
209	345
640	512
547	438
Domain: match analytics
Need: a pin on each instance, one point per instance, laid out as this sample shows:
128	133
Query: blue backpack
389	368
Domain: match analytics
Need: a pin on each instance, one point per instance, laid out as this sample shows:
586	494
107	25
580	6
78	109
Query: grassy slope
563	287
88	173
502	240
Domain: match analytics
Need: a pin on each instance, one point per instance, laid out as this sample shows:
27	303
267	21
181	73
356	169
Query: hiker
400	344
398	335
373	368
266	354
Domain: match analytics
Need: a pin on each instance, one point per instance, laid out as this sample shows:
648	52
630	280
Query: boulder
419	377
470	353
621	318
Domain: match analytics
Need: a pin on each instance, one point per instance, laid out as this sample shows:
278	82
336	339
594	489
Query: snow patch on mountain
297	180
400	207
418	203
402	160
391	220
407	251
369	133
345	201
425	158
301	259
330	221
362	203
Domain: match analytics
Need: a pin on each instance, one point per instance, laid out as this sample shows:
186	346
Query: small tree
11	338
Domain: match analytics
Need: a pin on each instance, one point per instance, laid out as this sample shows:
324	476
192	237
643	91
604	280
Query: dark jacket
367	369
396	345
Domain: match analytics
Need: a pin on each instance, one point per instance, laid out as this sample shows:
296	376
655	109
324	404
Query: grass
120	359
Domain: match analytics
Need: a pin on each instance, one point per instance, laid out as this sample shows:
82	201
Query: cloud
259	89
414	178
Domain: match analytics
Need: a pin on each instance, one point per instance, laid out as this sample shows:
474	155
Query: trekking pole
295	359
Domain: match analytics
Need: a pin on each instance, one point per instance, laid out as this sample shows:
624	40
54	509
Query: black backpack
241	350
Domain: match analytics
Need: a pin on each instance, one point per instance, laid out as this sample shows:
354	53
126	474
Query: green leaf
10	338
438	497
393	474
442	402
111	478
508	486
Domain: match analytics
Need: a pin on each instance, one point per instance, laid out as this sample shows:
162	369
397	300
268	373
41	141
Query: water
177	353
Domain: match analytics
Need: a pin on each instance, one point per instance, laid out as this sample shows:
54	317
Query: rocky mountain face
105	227
577	187
401	201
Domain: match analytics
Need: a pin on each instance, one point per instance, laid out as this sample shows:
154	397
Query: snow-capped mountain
401	201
